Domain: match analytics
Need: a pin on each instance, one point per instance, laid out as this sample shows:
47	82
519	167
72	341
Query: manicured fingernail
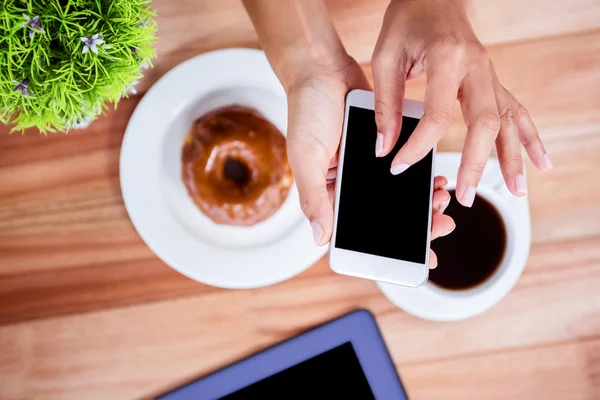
443	206
521	184
548	162
448	232
469	196
317	231
379	145
398	169
331	174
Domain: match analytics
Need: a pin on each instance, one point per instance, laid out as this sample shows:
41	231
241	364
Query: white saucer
435	304
156	199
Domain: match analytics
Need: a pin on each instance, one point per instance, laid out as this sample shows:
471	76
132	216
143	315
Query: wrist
303	60
463	4
297	36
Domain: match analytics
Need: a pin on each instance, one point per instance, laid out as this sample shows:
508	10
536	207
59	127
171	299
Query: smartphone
382	221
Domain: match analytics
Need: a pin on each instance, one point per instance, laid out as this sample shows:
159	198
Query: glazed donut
235	167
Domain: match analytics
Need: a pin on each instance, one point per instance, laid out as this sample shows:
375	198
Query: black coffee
472	253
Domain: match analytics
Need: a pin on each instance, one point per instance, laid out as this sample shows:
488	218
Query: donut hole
236	171
235	167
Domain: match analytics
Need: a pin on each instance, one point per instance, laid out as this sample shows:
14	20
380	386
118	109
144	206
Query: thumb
314	129
314	198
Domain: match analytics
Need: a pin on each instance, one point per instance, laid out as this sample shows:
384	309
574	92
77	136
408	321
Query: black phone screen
379	213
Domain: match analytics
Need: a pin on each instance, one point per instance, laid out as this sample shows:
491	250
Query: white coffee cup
433	302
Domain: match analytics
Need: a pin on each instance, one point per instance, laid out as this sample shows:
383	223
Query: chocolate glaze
234	166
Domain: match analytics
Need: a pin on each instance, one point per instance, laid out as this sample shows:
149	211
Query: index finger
443	80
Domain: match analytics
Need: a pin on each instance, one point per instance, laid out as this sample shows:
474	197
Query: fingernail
469	196
443	206
448	232
379	144
317	231
521	184
398	169
331	174
548	162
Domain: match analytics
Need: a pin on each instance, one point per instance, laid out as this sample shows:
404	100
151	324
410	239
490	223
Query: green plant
61	61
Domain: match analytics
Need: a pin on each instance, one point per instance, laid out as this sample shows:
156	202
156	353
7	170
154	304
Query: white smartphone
382	221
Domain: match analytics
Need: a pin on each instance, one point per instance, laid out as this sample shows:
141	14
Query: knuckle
382	108
385	64
525	141
450	44
508	122
507	116
413	155
314	201
380	119
385	111
476	167
478	53
305	205
513	159
384	114
452	47
522	112
490	120
441	118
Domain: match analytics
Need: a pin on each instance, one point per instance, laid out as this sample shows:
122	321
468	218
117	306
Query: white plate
156	199
436	304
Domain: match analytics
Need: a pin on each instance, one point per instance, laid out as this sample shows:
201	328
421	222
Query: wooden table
87	311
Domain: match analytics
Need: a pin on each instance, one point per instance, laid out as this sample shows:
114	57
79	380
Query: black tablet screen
335	374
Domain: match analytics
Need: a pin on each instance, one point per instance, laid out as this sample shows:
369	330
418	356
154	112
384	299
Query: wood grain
225	24
534	72
78	237
87	311
62	215
121	353
562	371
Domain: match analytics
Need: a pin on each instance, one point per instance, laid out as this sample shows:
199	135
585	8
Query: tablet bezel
358	327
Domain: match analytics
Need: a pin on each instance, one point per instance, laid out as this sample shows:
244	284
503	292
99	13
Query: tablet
342	359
